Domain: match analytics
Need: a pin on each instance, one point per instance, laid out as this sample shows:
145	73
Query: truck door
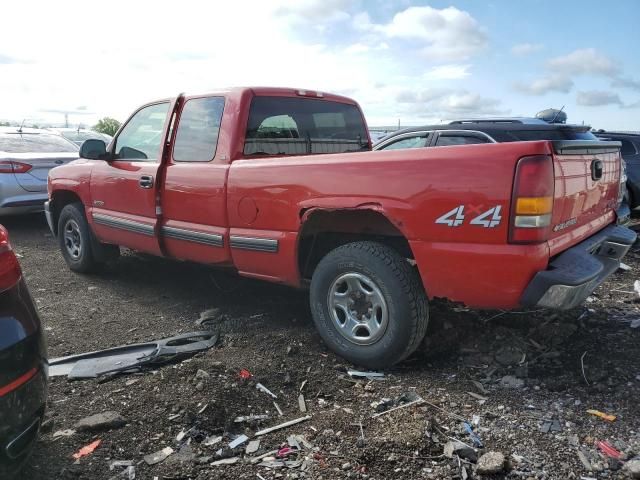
194	218
124	190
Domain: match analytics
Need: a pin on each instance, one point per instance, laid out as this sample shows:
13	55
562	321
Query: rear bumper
575	273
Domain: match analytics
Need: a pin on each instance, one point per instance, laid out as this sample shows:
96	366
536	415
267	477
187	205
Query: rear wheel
368	304
82	252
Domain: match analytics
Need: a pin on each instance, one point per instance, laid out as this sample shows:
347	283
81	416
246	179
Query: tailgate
587	188
35	180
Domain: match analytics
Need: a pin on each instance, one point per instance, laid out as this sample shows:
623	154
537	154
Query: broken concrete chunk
209	441
302	404
633	468
158	456
64	433
491	463
101	421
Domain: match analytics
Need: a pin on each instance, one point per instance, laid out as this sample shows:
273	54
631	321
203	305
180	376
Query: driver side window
141	137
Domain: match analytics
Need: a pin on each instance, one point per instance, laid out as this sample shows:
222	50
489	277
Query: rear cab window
448	140
303	126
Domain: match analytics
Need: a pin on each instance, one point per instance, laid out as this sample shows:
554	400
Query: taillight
10	272
18	382
7	166
532	201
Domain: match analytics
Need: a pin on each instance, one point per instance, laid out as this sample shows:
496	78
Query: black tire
398	284
71	217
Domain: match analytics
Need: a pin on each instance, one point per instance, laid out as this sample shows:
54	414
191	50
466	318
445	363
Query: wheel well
61	199
325	230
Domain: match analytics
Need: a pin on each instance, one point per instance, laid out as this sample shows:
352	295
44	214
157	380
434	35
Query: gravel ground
524	380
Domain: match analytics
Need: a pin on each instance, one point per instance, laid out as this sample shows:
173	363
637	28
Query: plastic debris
158	456
608	449
283	425
367	375
238	441
87	449
285	452
209	441
264	389
120	463
245	374
602	415
474	436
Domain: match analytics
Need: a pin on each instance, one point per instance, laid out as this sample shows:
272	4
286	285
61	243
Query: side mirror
93	149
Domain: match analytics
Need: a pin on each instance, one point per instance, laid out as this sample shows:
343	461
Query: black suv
631	154
499	130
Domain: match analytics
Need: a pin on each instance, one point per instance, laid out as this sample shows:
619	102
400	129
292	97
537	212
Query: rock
460	449
253	446
158	456
200	386
202	375
490	463
509	355
101	421
509	381
633	468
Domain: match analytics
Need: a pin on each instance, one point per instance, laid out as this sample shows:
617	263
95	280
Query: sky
413	62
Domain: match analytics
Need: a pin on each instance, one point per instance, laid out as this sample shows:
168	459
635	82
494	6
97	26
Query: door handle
146	181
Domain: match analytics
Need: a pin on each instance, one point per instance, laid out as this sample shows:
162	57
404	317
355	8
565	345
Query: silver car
79	135
26	156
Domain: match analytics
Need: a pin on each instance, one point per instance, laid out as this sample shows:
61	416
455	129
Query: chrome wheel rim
72	239
358	308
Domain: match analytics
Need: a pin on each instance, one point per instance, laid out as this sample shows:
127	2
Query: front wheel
368	304
74	236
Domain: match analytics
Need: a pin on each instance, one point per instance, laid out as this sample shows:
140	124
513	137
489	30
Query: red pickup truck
281	185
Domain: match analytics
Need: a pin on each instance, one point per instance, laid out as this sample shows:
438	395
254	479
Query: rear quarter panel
412	188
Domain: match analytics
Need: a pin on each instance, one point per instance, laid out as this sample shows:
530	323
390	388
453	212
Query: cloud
444	34
7	60
448	72
541	86
597	98
523	49
447	103
315	11
586	61
626	82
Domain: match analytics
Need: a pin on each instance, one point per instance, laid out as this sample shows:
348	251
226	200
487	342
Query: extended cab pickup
281	185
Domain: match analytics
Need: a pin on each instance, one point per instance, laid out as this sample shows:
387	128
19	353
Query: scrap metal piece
368	375
132	357
282	425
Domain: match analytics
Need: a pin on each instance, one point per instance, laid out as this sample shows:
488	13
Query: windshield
35	143
299	126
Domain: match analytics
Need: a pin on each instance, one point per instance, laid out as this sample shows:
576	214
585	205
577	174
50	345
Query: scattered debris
405	400
238	441
245	374
491	463
624	267
367	375
255	460
250	418
283	425
101	421
63	433
252	447
87	449
584	460
551	426
225	461
633	468
158	456
278	409
210	441
130	358
511	381
119	464
302	404
474	437
602	415
460	449
264	389
608	449
478	397
636	286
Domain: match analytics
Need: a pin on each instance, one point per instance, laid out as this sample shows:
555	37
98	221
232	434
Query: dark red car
23	365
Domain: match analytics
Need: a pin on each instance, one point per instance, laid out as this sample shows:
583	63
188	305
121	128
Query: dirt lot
528	400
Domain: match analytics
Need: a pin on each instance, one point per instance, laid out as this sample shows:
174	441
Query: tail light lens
532	201
10	272
18	382
8	166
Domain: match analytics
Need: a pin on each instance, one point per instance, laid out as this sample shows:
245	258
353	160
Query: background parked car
79	135
498	130
26	156
631	154
23	365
